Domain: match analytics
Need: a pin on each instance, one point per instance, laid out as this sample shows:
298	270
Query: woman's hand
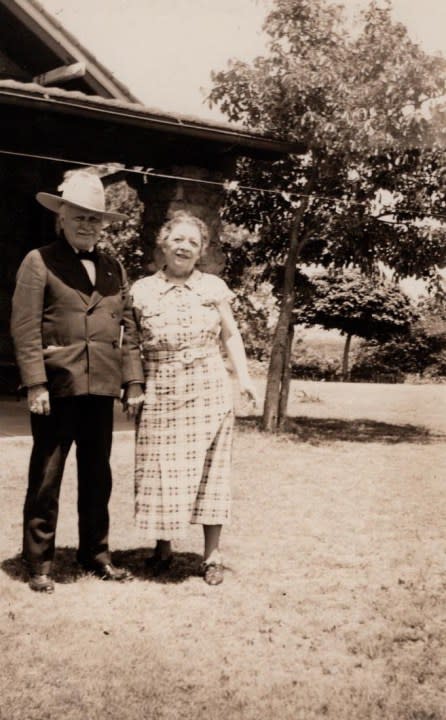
248	390
133	399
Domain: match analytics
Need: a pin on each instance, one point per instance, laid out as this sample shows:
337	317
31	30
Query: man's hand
39	400
133	399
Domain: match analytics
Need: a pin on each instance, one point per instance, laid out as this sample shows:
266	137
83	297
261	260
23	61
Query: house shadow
65	569
320	430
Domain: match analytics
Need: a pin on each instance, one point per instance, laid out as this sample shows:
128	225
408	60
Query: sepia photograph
223	359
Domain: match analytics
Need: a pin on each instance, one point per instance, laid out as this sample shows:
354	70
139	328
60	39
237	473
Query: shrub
413	354
311	365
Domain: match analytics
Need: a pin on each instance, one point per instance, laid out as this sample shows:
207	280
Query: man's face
81	227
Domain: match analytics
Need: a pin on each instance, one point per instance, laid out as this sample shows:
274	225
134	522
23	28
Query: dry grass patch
332	605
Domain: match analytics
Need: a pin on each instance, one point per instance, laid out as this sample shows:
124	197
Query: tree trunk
276	370
286	375
345	368
276	365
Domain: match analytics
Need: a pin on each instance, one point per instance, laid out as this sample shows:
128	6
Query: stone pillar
163	196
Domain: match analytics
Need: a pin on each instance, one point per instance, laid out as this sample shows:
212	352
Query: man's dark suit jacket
76	339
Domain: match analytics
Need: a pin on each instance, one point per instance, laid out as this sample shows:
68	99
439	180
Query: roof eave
139	118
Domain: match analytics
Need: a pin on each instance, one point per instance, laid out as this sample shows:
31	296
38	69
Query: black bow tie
86	255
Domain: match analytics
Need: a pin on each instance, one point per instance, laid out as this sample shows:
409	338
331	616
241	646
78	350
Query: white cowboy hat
81	190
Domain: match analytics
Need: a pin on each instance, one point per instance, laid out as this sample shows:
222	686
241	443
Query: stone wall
162	197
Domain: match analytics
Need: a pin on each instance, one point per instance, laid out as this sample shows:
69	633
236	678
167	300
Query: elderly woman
184	432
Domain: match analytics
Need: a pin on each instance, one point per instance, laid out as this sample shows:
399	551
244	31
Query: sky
164	50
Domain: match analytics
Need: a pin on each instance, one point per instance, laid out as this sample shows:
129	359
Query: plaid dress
184	432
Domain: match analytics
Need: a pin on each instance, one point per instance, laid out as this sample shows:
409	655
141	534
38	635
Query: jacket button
113	314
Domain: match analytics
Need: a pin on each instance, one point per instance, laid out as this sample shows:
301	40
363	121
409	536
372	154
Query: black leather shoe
107	571
41	583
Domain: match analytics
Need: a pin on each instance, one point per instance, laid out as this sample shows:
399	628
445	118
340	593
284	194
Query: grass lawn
333	604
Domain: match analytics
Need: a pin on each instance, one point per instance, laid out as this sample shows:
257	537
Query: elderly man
76	346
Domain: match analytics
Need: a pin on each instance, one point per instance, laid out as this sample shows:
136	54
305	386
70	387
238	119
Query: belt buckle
187	356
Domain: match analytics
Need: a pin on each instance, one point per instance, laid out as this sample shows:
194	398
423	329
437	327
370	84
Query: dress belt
186	356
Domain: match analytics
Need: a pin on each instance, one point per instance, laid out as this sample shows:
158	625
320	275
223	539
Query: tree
415	353
357	305
254	305
250	307
125	240
353	105
432	315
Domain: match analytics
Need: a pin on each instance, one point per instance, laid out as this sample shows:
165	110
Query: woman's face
182	249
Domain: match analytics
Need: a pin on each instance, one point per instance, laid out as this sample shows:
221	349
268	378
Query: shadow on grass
319	430
184	565
66	570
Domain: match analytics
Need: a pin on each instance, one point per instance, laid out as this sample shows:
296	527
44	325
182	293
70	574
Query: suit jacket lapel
61	259
106	281
94	299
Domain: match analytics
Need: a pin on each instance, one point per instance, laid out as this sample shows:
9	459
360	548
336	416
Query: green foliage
353	103
432	315
436	369
254	306
310	364
253	323
357	305
124	240
330	87
421	352
411	354
238	244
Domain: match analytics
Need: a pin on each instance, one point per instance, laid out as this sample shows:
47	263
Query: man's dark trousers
86	420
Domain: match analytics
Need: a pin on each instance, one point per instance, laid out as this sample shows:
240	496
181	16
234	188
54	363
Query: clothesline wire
224	184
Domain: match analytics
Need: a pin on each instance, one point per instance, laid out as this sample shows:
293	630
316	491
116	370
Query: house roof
38	43
154	128
90	112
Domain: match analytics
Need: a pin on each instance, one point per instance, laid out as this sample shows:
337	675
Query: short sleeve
217	291
135	294
143	293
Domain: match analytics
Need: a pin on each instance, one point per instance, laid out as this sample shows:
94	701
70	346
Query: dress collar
190	283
